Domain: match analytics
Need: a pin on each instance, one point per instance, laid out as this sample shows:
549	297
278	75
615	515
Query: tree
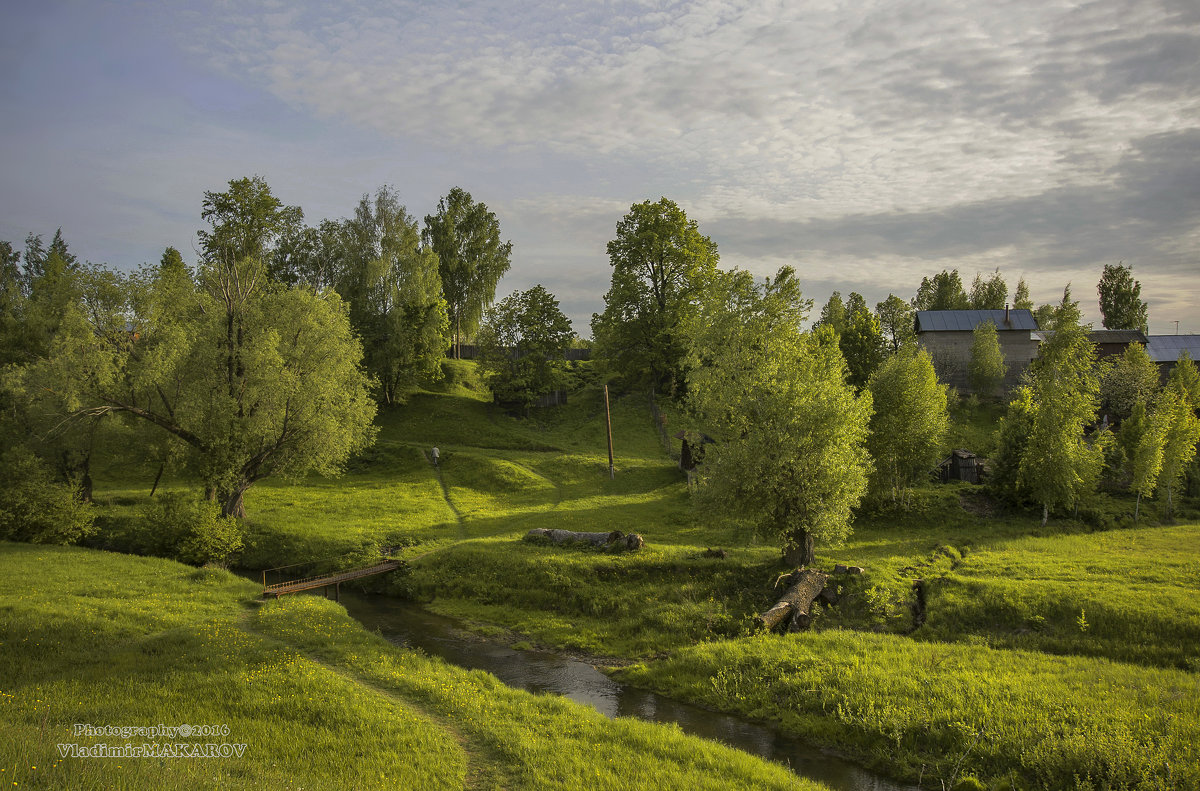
256	380
465	235
909	423
1064	397
896	323
943	292
1145	436
1185	379
833	314
1181	432
1121	299
1021	300
990	294
392	285
986	370
861	342
522	344
12	305
1130	379
789	458
661	266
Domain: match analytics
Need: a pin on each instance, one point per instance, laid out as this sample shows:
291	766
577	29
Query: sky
866	144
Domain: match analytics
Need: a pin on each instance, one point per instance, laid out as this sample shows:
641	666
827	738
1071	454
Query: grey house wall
951	353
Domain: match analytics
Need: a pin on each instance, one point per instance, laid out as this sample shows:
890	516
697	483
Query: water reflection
537	671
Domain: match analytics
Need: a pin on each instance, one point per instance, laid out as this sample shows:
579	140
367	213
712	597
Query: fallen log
614	540
804	585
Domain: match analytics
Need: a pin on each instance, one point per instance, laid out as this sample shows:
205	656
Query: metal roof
968	320
1166	348
1117	336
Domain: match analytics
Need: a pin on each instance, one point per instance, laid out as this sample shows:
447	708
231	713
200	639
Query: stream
411	626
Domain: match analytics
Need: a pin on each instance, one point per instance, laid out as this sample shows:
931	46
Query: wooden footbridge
331	580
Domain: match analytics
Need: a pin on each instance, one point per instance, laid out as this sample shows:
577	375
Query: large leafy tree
944	291
1181	432
1057	464
896	323
1121	304
790	457
392	285
909	423
661	265
986	370
465	235
253	379
833	313
1021	299
1128	380
522	346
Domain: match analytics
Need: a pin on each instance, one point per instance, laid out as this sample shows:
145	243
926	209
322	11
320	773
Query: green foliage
789	458
1145	439
861	342
833	314
256	380
986	370
465	235
1057	467
1021	300
246	220
661	266
896	323
1121	302
943	292
394	292
1129	380
1185	379
522	345
1179	438
909	423
34	507
190	531
990	294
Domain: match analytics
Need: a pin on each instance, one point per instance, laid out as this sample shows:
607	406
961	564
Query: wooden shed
960	465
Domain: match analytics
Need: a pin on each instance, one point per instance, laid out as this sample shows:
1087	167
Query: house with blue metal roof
1166	349
948	334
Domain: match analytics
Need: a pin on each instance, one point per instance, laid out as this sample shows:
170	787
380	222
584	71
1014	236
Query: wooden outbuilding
960	465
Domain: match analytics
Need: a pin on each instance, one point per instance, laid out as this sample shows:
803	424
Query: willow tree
252	379
790	458
471	258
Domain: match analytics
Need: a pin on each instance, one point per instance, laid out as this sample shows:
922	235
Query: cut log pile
616	540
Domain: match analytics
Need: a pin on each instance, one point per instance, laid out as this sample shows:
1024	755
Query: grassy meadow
1057	657
320	703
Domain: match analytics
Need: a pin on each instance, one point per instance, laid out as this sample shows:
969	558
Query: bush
189	531
36	508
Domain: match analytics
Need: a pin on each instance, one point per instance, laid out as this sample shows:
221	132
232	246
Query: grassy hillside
107	639
1047	657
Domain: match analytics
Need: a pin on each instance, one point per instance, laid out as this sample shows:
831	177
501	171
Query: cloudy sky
864	143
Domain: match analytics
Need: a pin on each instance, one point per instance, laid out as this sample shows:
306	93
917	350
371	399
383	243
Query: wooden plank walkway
308	583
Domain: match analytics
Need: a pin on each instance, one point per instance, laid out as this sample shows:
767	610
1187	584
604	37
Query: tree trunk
1045	514
800	553
793	606
157	478
614	540
232	505
1136	507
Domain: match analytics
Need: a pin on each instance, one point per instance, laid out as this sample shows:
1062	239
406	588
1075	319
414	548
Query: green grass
320	703
1003	641
1014	718
1129	595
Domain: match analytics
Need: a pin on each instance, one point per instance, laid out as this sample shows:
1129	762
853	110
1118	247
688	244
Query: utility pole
608	420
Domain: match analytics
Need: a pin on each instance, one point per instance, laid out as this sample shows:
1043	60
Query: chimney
1006	321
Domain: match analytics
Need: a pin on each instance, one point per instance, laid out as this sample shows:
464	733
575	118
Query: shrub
36	508
190	531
